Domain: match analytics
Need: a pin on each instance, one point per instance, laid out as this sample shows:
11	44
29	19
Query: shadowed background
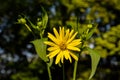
18	59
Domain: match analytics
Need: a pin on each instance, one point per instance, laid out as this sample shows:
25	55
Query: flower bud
89	25
22	21
39	23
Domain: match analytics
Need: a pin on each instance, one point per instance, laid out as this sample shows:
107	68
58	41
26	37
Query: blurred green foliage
18	59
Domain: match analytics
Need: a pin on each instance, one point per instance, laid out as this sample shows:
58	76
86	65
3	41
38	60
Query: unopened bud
22	21
89	25
39	23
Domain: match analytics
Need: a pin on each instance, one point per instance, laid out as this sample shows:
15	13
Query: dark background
18	59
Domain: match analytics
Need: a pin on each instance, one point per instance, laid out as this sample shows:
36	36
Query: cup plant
63	44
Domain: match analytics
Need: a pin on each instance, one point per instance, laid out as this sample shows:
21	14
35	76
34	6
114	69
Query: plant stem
75	70
28	27
49	73
41	36
30	30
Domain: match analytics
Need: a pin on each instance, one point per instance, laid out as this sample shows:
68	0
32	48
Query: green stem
75	70
41	36
28	27
30	30
49	73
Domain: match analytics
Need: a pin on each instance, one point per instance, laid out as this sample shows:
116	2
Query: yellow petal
67	34
75	42
62	58
74	56
70	59
50	43
58	57
61	33
71	33
56	33
53	48
73	48
69	40
53	53
53	38
67	55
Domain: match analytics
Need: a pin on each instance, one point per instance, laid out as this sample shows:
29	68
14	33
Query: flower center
62	46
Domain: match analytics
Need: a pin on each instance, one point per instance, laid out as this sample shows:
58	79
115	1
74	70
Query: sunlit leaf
40	48
95	57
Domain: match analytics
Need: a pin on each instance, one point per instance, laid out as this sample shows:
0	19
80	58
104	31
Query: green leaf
44	18
95	57
92	30
40	48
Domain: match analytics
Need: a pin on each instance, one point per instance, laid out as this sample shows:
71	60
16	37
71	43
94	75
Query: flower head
62	44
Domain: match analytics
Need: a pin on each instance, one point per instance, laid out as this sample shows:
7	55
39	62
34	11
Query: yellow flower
62	45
